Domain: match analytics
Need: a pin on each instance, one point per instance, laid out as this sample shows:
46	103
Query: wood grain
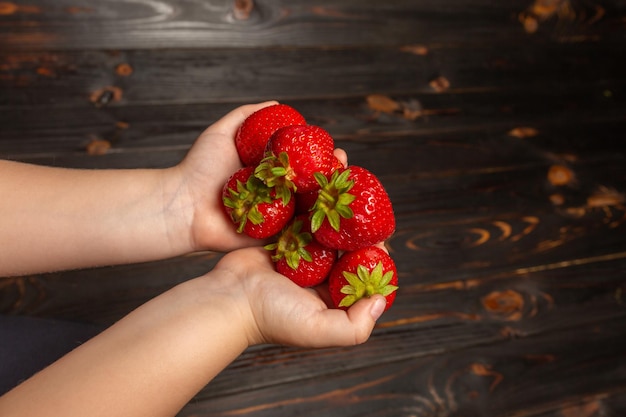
469	118
210	75
529	376
496	127
144	24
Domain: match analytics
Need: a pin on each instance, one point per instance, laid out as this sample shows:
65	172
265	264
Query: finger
229	123
352	327
342	156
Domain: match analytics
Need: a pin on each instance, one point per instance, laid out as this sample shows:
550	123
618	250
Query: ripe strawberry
293	155
306	201
363	273
253	207
299	257
254	133
352	210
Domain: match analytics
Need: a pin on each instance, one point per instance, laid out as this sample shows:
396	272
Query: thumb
354	326
364	314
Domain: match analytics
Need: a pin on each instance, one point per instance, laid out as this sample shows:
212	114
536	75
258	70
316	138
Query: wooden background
496	126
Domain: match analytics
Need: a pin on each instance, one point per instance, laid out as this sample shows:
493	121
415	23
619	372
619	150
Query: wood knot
382	103
98	147
420	50
523	132
440	84
557	199
106	95
7	8
507	304
124	70
242	9
560	175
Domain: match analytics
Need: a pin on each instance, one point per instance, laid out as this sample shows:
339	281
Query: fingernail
378	308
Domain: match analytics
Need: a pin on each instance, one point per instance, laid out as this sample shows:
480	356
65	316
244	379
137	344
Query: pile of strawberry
294	191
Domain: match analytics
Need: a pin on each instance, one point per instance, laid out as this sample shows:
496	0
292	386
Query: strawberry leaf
366	283
293	260
347	301
343	211
334	219
305	254
333	201
321	179
354	281
388	290
291	245
255	216
317	219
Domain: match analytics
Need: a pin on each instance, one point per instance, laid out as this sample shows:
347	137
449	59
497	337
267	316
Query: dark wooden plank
60	132
466	208
193	23
99	295
177	76
508	179
452	230
602	404
454	320
427	320
519	377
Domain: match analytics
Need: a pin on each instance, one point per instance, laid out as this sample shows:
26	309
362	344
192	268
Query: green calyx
244	201
291	245
365	284
276	173
333	201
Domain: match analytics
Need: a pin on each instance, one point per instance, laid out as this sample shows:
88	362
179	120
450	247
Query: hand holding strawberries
195	329
304	198
276	310
200	179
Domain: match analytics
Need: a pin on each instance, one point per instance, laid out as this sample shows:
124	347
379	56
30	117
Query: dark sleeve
28	344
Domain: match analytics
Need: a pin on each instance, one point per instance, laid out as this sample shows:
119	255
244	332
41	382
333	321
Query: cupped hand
279	311
210	162
200	178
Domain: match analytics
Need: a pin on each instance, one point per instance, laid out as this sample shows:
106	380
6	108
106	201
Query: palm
285	313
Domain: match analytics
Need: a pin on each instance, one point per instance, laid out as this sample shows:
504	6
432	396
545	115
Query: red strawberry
337	164
306	201
254	133
363	273
299	257
253	207
352	210
294	154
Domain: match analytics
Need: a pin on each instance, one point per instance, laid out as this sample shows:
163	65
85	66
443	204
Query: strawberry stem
366	283
333	201
277	173
244	200
291	245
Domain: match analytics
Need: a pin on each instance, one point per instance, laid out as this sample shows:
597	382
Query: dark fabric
29	344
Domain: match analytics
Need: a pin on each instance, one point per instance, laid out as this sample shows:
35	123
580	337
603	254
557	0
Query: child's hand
278	311
199	181
204	171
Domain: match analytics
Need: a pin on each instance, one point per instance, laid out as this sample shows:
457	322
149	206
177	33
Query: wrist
178	211
243	278
223	300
